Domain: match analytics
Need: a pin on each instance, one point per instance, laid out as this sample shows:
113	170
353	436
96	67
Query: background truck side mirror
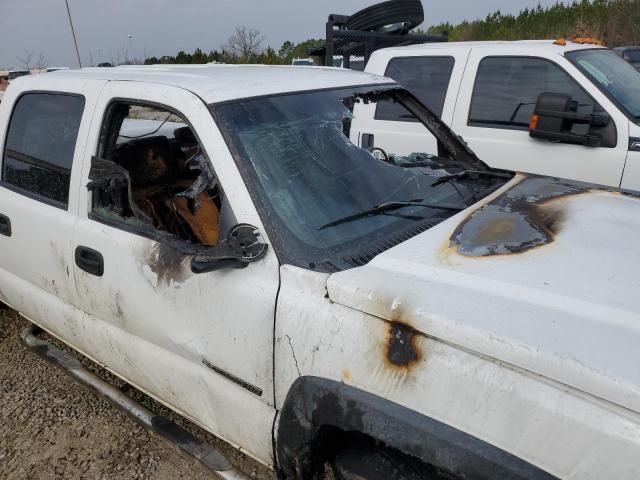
556	114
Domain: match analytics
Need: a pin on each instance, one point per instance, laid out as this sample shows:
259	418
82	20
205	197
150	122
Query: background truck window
40	144
425	77
632	55
507	89
614	77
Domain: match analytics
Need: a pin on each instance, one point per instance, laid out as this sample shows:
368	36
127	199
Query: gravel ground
53	428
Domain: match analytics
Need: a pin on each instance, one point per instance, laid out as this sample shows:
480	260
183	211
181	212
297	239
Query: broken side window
151	174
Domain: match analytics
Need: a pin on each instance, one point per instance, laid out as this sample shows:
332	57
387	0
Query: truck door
631	178
161	186
43	137
434	79
498	98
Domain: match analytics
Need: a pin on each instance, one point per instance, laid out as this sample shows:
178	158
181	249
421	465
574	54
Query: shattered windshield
613	75
328	203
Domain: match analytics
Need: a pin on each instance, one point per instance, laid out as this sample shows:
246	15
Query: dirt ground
53	428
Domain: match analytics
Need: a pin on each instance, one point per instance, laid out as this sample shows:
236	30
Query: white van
488	92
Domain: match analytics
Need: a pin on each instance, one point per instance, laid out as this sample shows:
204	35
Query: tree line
614	22
244	46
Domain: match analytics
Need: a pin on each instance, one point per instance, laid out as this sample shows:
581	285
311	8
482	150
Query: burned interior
151	175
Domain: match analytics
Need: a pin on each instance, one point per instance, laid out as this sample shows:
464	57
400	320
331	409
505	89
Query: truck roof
508	46
218	83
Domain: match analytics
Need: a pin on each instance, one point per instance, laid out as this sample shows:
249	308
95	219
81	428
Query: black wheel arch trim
315	403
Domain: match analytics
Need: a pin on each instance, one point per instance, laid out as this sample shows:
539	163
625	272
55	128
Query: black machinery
351	39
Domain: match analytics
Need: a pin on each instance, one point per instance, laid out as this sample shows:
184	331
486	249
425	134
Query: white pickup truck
586	100
210	235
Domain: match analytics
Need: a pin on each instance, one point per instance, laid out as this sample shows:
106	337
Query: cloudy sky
164	27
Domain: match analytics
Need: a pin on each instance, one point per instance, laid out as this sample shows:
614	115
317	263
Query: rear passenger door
434	80
41	164
498	98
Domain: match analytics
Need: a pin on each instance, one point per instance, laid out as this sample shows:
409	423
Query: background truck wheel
369	462
387	13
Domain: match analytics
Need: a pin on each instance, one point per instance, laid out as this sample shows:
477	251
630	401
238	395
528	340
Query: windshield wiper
471	173
388	206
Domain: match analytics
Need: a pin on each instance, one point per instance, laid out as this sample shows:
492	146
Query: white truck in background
586	98
630	54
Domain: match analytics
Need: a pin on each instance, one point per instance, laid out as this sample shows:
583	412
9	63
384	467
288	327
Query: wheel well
319	415
330	441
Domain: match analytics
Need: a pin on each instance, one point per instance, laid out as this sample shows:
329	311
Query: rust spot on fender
401	344
402	349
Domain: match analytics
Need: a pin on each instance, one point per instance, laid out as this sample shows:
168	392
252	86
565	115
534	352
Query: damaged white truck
212	236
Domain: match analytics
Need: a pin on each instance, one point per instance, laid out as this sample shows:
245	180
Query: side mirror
556	114
242	246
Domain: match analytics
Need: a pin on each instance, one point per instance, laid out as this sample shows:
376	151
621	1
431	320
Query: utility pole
133	55
73	32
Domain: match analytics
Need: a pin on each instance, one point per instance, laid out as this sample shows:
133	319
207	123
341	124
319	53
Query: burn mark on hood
524	217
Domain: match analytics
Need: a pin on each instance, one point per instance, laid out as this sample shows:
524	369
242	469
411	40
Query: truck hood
543	275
